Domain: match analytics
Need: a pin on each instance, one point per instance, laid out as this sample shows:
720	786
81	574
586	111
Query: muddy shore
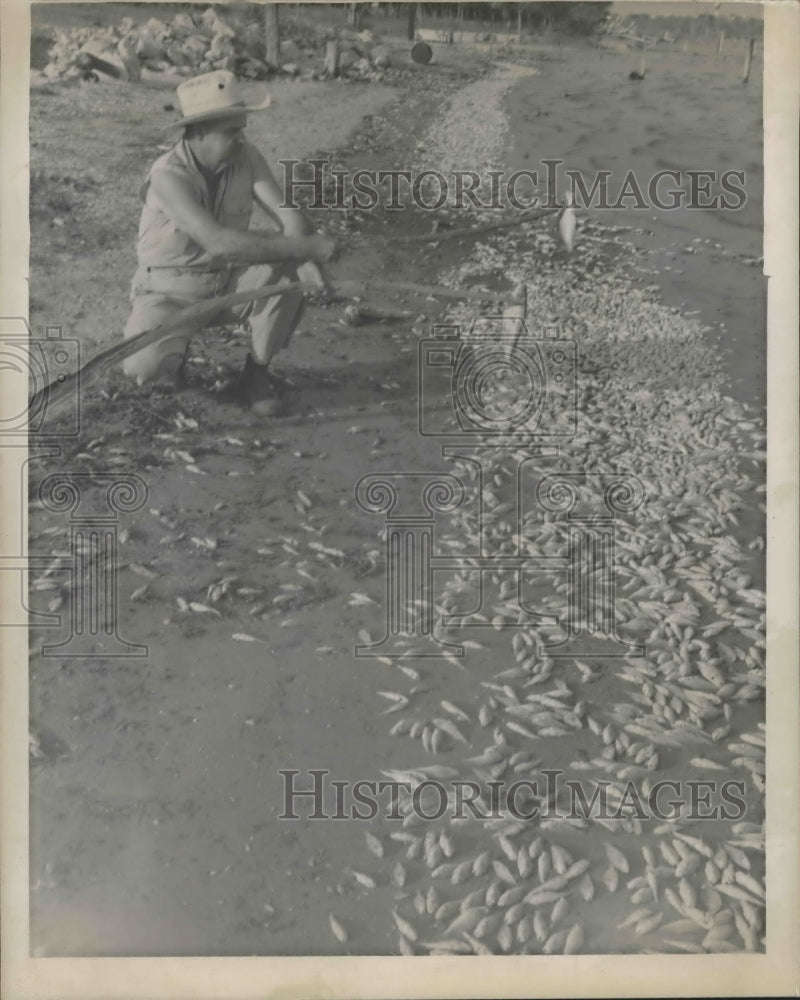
156	791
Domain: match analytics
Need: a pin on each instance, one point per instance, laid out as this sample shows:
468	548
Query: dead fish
540	928
244	637
611	878
698	845
561	859
687	892
616	857
511	896
448	706
203	609
507	847
560	907
575	940
366	880
405	928
648	924
567	223
481	864
748	882
338	930
451	729
555	943
577	868
477	946
539	897
374	844
357	599
504	873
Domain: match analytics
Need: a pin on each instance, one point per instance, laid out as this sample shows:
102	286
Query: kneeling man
195	243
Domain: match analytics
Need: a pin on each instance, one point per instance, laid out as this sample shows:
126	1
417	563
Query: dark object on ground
259	390
635	75
422	53
87	62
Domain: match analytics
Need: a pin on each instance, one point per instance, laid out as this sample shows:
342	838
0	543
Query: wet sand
691	112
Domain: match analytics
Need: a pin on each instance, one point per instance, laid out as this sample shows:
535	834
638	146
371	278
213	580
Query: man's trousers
158	293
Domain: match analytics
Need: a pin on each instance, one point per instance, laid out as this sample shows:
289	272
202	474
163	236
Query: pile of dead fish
687	706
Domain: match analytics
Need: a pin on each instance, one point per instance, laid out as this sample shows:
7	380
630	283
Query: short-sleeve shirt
160	242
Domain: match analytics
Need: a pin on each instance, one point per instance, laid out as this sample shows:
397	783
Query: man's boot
260	390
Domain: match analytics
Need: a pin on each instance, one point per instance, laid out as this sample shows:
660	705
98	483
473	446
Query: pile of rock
360	57
198	42
185	46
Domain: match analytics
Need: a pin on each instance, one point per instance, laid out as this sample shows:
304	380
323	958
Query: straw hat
213	95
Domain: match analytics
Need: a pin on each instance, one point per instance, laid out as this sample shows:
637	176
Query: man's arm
269	195
232	244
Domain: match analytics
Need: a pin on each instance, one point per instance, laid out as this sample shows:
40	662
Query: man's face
221	140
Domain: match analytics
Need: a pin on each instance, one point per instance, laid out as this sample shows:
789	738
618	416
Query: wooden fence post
748	60
272	52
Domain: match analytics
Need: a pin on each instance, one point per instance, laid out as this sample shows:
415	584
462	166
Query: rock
177	56
347	59
380	57
290	51
95	57
253	69
195	44
152	40
130	60
252	46
154	27
226	62
290	69
182	24
148	47
221	47
209	19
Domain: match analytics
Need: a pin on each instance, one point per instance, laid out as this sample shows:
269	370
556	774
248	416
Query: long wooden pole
52	397
466	233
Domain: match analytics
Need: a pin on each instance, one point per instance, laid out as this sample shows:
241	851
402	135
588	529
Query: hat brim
230	112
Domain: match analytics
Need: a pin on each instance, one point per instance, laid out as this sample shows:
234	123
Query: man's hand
309	273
